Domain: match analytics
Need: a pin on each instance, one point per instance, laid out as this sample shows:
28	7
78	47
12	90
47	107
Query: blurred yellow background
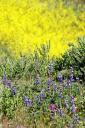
27	23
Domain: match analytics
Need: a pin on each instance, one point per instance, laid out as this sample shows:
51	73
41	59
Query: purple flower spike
25	98
49	82
60	113
27	101
37	80
69	83
72	100
55	87
66	104
14	91
30	103
60	95
8	84
50	69
59	77
73	109
71	78
42	94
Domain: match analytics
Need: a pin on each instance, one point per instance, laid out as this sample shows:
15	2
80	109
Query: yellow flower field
27	23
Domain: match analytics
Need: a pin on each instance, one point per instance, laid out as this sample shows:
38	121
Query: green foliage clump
75	57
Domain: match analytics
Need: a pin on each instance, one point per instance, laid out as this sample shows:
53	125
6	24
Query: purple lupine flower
13	90
59	77
38	99
60	95
42	94
60	112
68	83
71	78
49	83
72	99
50	68
8	83
73	108
37	80
55	87
71	74
30	102
27	101
66	104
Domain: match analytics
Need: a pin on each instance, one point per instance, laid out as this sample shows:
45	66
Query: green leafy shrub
75	57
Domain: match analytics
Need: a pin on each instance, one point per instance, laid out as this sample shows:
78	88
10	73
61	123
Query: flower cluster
73	108
51	90
27	101
7	83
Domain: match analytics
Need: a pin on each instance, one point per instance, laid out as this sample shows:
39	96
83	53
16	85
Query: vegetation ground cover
42	76
35	90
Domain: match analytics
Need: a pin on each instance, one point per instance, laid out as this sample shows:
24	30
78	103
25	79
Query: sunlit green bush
75	57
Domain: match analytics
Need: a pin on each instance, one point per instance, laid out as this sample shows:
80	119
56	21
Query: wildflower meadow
42	64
